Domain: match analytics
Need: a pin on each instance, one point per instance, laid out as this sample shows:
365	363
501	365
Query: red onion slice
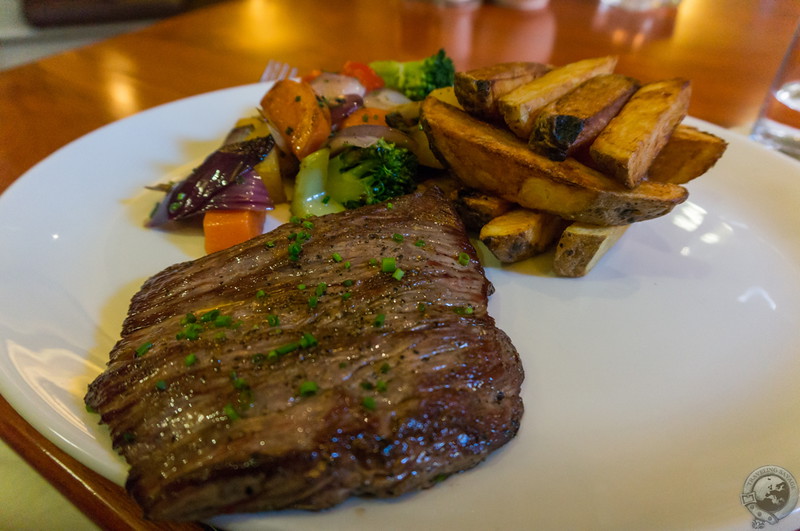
330	86
366	135
343	108
224	180
385	98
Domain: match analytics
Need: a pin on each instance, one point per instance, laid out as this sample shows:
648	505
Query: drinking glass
778	123
640	5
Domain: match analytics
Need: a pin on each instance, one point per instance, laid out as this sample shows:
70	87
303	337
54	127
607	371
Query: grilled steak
346	355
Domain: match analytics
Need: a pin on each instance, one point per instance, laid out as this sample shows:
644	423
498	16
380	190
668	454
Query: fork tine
277	70
284	71
267	74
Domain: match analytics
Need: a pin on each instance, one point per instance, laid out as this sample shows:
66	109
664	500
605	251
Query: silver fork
277	70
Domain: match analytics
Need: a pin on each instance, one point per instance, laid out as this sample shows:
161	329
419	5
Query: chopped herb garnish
142	350
239	383
295	219
313	301
270	244
347	283
336	257
373	261
463	259
379	320
260	294
190	331
385	368
347	265
189	318
273	320
308	225
380	386
223	321
398	237
230	412
389	206
422	306
190	360
464	310
161	385
301	287
368	402
388	264
321	288
287	348
209	316
346	295
398	274
420	243
294	251
308	388
308	341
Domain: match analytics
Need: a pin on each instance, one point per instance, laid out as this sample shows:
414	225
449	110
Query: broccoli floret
416	79
363	176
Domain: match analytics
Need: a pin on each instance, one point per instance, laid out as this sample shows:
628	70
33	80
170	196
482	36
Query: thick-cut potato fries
592	150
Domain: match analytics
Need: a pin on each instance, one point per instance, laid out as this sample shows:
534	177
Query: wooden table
729	50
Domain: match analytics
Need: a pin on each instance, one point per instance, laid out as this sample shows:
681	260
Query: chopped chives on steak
276	416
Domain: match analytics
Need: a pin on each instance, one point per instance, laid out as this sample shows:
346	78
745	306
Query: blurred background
32	29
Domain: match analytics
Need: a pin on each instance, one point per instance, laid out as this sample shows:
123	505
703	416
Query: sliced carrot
225	228
302	120
365	116
311	76
364	73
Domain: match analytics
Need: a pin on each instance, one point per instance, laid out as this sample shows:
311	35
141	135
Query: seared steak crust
299	368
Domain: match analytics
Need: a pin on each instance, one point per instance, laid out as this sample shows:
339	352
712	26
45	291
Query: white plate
654	386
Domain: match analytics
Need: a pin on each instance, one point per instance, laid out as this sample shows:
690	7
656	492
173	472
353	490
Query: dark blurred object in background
44	13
